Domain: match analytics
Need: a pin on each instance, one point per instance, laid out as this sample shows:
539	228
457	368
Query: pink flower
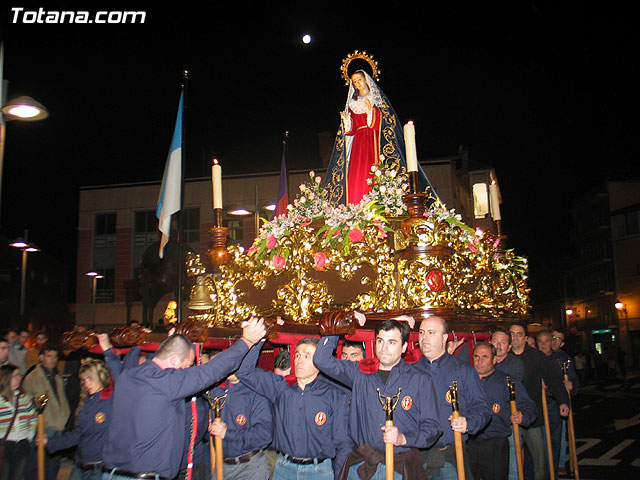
307	221
271	242
472	247
381	231
278	261
355	235
252	249
320	261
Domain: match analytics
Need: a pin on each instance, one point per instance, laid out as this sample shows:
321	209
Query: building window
190	227
236	230
105	286
145	233
631	223
104	254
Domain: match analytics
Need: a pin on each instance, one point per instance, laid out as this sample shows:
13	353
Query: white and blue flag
170	192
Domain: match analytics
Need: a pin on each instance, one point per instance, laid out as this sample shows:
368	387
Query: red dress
365	151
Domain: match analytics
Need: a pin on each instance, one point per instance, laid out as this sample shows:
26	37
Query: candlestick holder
217	217
414	183
218	253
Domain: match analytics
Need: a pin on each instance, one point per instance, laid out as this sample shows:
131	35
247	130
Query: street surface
607	419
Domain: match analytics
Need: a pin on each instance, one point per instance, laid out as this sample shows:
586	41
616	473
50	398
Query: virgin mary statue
370	133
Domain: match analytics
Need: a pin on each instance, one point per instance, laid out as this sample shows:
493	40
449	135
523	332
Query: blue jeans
115	476
287	470
379	475
447	472
78	473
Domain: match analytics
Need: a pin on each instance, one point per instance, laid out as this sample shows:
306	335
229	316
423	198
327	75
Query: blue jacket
415	414
90	432
249	420
472	401
147	432
310	423
497	392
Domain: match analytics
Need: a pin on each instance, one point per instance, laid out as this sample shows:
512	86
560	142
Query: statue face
360	83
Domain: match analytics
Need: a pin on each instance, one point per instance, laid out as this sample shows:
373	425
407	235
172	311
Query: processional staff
217	404
516	429
573	455
389	405
40	404
457	436
547	429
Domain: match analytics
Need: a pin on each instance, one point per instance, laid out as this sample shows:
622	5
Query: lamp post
94	276
26	248
94	281
22	108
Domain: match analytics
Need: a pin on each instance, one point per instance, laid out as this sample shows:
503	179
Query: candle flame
215	161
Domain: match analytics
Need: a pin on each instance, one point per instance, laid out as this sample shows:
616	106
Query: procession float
371	236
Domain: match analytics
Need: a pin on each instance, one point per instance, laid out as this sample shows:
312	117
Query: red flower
320	261
278	261
306	222
271	242
355	235
472	247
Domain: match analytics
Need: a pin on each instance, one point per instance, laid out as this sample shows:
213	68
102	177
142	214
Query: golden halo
375	71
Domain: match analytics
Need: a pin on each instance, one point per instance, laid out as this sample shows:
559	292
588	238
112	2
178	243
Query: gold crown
357	55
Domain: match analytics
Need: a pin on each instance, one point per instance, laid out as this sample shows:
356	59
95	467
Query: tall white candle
410	146
216	182
495	202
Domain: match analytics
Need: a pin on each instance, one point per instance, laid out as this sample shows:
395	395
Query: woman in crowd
92	421
18	422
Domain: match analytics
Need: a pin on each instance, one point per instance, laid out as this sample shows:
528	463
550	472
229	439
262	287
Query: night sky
541	92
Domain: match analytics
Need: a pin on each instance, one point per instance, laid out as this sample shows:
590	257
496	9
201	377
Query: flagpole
181	268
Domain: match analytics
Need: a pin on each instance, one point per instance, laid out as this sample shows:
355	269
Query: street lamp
95	276
21	108
26	248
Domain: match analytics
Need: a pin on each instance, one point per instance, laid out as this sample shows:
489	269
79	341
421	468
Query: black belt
141	476
89	466
241	459
303	461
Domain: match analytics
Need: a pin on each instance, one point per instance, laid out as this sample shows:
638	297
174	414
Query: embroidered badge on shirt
241	419
447	397
100	417
496	408
321	417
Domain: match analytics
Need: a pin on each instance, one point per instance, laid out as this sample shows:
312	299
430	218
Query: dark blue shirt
496	390
147	431
310	423
472	401
249	420
512	366
560	357
90	432
415	414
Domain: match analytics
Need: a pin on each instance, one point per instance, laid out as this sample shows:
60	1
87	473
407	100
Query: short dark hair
282	360
308	341
173	345
388	325
502	330
49	347
523	325
488	345
352	344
